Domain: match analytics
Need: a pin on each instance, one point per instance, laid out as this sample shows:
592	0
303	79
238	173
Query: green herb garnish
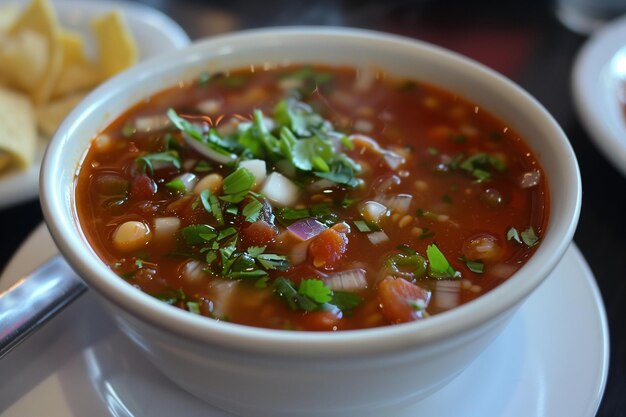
439	267
169	157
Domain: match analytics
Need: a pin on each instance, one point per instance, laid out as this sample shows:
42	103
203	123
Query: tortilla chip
39	17
24	58
50	116
8	15
77	73
18	135
116	44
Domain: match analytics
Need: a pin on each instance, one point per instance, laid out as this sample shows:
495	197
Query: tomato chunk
259	233
402	301
323	320
327	248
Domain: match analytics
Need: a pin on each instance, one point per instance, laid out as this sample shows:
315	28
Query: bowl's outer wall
445	343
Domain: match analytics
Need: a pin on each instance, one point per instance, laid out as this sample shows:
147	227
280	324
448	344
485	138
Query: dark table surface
522	40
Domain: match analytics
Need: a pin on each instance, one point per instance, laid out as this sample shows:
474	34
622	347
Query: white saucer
598	80
154	32
551	360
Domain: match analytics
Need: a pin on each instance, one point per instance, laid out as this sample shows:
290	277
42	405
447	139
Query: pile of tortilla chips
45	72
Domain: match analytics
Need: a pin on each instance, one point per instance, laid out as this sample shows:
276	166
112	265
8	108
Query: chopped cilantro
198	234
473	265
252	210
147	161
237	184
527	237
212	205
193	306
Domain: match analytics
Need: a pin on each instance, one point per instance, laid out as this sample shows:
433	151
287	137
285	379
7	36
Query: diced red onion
530	179
378	237
350	280
306	229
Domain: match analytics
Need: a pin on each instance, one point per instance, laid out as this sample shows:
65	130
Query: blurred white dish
155	33
598	82
88	367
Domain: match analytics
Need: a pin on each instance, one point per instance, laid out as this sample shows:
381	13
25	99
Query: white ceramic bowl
260	372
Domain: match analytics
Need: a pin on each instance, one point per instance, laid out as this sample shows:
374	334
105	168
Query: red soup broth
331	199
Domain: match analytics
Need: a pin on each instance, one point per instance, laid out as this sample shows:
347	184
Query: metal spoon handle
34	299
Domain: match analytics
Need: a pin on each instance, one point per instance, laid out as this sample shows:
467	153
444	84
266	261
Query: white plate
154	32
598	81
551	361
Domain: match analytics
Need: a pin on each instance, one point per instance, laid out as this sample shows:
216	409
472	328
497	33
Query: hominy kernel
131	235
212	182
417	231
443	218
476	288
466	284
395	217
421	185
405	221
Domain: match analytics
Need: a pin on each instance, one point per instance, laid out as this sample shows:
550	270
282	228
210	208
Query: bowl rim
395	338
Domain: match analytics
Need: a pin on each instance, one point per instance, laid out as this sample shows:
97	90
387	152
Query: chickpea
131	235
484	247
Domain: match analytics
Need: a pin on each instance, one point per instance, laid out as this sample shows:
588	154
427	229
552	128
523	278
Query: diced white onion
351	280
387	183
378	237
372	211
502	270
165	228
192	271
209	106
287	84
365	79
530	179
447	294
258	168
363	125
280	190
398	203
220	294
151	123
393	160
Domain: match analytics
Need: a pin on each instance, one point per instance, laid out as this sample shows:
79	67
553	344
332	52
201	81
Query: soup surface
325	198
